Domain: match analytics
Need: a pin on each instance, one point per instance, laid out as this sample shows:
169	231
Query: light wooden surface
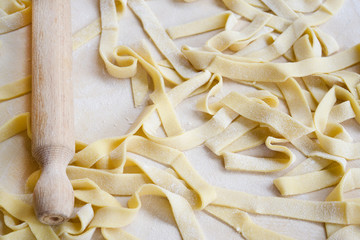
52	111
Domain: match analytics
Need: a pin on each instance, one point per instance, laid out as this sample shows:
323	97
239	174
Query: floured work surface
218	130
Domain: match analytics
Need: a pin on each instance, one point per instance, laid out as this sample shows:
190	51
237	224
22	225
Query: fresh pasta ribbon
14	15
223	20
161	39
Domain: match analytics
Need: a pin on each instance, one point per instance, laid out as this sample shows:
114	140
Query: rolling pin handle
53	193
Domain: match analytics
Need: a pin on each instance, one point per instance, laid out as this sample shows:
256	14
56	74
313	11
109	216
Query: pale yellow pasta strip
239	45
116	233
112	215
296	101
316	86
86	235
309	182
13	223
183	214
304	6
201	58
325	11
86	34
14	126
249	140
348	232
308	46
236	129
279	72
25	212
167	156
351	80
22	234
79	223
255	111
341	112
280	8
307	177
244	9
242	162
283	42
316	211
197	135
259	43
215	85
225	39
328	43
242	223
161	39
15	89
223	20
139	85
332	145
168	73
350	181
18	17
159	96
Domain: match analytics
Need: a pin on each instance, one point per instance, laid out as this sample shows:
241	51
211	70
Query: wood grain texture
52	111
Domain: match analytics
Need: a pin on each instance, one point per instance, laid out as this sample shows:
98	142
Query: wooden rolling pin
52	124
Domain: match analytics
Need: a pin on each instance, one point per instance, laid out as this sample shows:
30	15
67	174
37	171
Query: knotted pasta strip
333	145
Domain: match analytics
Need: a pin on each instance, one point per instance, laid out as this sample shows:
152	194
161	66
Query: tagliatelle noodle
296	101
246	10
236	129
332	145
225	39
201	58
280	121
259	43
15	89
349	182
331	212
281	9
223	20
139	84
14	15
311	175
242	223
279	72
159	97
261	164
161	39
325	11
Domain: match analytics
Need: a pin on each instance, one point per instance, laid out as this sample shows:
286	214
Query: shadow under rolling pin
52	114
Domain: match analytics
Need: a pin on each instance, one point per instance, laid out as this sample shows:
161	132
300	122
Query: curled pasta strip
319	171
14	15
350	181
161	39
227	38
330	144
261	164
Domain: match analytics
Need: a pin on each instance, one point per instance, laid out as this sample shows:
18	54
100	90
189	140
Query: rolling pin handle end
53	193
